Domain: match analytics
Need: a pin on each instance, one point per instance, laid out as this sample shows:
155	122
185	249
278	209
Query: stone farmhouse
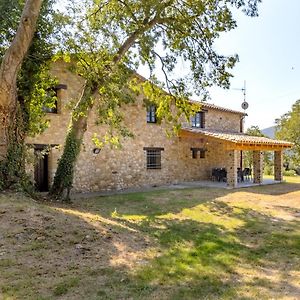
213	139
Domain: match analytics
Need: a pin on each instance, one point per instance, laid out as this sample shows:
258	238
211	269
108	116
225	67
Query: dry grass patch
181	244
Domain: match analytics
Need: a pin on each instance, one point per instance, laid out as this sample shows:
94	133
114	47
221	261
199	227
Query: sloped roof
216	107
239	138
203	104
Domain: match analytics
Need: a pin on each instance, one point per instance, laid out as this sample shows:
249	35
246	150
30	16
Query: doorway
41	169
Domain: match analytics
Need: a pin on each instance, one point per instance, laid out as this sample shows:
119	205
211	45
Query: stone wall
222	120
126	167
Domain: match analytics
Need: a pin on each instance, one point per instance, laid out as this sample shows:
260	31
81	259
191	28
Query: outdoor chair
214	174
219	174
247	173
223	175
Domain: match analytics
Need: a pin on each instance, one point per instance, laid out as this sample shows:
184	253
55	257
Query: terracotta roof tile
238	138
216	107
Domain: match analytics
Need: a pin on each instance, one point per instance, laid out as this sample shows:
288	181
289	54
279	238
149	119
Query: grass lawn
203	243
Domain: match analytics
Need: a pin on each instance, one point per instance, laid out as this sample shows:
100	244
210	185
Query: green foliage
63	287
12	169
288	128
34	86
34	80
248	155
159	33
109	38
9	20
289	173
65	172
269	170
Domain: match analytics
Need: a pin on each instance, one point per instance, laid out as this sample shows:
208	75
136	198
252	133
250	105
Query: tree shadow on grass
204	261
51	251
274	189
149	203
200	248
207	249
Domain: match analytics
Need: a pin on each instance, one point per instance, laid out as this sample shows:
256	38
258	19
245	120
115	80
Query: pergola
233	143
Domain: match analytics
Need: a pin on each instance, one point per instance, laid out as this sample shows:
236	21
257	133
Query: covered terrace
232	145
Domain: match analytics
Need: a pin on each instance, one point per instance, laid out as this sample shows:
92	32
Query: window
53	93
153	158
198	120
195	151
202	153
151	114
51	110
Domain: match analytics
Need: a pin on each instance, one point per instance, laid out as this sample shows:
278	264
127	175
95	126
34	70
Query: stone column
231	167
278	165
258	167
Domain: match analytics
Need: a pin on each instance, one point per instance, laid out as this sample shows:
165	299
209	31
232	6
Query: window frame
56	109
153	158
151	114
197	120
202	153
195	153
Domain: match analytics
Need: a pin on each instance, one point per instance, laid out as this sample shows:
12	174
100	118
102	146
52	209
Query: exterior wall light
96	150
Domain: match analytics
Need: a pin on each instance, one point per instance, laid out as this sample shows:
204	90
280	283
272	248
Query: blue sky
269	50
269	60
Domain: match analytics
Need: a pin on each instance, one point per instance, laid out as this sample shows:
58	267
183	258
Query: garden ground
203	243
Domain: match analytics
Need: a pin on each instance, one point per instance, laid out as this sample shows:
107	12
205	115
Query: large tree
288	128
25	54
116	36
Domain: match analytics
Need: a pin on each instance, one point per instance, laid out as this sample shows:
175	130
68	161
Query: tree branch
133	37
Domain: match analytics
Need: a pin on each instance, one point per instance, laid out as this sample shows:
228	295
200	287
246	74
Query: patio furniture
214	174
247	173
219	174
240	175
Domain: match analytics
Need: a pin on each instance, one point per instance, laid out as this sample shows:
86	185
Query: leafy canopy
112	38
169	30
34	81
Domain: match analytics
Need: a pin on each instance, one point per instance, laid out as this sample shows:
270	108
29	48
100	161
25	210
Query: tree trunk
63	179
64	174
12	133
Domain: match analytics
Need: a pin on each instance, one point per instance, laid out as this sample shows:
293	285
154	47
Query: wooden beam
256	147
230	145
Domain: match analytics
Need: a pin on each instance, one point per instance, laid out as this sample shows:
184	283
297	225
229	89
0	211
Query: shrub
269	170
289	173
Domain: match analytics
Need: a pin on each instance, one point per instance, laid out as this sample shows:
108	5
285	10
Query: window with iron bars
153	158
